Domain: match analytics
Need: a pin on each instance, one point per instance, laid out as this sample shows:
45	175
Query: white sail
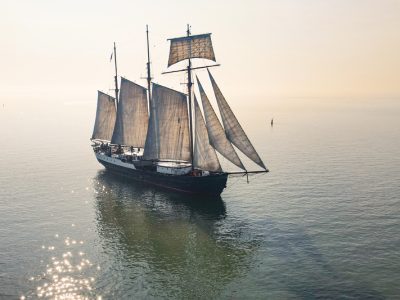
204	156
132	115
194	46
105	117
216	132
168	133
233	130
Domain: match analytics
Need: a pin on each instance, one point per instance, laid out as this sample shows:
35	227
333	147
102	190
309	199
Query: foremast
188	47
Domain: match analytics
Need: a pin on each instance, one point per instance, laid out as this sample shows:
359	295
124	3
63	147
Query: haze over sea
324	223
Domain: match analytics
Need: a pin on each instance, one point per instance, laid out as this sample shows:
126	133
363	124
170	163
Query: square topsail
194	46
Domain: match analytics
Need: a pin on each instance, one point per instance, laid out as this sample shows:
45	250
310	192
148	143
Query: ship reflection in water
168	244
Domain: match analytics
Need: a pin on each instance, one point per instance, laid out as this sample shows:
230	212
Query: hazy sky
296	48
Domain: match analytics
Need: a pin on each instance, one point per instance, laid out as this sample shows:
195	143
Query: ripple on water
67	275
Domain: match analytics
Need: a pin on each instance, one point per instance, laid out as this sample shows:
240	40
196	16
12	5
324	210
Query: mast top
116	76
188	30
149	78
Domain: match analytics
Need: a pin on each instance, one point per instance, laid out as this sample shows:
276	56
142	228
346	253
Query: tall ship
159	136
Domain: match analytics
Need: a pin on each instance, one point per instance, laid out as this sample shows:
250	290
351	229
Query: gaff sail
205	157
193	46
233	129
105	117
168	132
132	115
216	132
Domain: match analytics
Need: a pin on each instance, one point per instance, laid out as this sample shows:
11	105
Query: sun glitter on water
65	276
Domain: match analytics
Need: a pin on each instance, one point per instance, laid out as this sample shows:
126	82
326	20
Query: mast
189	86
148	64
187	48
116	76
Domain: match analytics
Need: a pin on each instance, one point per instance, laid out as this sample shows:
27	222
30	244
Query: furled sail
105	117
194	46
168	133
132	115
233	130
205	157
216	132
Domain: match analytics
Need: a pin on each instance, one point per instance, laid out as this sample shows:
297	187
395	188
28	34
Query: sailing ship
159	136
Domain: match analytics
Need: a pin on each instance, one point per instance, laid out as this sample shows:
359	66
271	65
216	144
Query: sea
324	223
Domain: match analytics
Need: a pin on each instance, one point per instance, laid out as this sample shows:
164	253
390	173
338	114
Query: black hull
213	184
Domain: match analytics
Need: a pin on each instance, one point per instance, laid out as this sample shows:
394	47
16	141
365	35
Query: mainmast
189	86
148	64
116	76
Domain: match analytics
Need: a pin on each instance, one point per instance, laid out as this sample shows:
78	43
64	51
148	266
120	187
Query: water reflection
169	245
209	207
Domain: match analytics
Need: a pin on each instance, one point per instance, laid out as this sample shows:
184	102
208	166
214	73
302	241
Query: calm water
324	223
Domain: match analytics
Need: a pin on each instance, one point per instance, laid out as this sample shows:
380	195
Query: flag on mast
111	56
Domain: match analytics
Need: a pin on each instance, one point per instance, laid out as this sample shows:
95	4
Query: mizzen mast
116	76
148	64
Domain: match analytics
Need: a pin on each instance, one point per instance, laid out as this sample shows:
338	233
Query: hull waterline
213	184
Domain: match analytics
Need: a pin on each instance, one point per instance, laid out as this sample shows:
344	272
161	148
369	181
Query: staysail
233	130
132	115
216	132
105	117
193	46
205	157
168	133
